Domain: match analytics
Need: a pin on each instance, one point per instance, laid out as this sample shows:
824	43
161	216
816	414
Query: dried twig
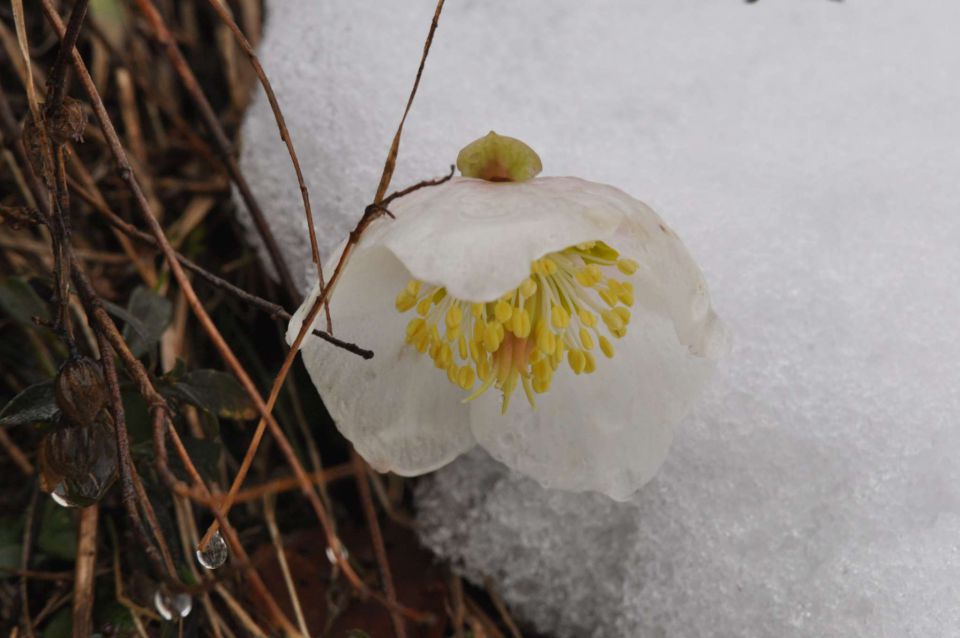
376	539
224	14
85	571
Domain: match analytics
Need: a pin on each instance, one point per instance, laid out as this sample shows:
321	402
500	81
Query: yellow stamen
524	336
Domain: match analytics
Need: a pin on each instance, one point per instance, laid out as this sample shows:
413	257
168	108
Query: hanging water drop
215	554
172	606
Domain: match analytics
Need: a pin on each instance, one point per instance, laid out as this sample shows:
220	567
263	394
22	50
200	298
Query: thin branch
274	310
57	82
85	572
224	14
376	539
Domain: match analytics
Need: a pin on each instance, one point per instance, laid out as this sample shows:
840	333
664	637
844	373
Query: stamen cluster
523	337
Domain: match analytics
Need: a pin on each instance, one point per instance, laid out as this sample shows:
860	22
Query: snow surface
807	153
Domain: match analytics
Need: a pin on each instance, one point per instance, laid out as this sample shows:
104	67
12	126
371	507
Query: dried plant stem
15	453
274	310
85	572
25	549
269	514
376	539
224	13
57	82
279	485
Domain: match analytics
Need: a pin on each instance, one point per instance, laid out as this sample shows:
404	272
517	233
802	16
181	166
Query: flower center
562	312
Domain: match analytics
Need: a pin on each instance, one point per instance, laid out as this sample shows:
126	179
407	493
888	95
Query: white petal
608	431
478	238
398	410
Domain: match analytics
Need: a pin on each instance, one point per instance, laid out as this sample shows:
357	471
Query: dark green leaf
11	530
36	403
137	415
58	533
20	302
147	316
204	453
61	625
218	392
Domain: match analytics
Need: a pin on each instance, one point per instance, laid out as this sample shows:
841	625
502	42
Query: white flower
557	322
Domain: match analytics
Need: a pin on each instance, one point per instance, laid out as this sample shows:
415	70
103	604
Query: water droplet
332	554
216	553
172	606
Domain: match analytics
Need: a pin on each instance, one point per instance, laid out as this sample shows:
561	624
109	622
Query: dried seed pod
78	465
67	122
80	390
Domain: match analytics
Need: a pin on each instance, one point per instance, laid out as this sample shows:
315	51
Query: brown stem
85	572
224	15
57	82
274	310
376	539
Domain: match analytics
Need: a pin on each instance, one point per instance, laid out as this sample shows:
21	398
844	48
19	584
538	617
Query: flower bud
80	390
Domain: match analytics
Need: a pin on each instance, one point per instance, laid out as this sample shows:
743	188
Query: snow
806	151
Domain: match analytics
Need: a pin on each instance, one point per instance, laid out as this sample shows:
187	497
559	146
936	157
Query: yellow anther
462	349
589	363
405	301
466	377
577	361
476	309
415	327
424	306
528	288
520	323
627	266
608	297
454	317
587	318
503	311
413	287
453	334
612	320
623	313
606	347
586	246
586	339
549	266
559	317
546	340
492	337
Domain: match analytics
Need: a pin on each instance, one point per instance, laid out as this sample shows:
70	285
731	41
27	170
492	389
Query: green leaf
58	532
20	302
61	625
137	415
147	316
11	531
217	392
204	453
36	403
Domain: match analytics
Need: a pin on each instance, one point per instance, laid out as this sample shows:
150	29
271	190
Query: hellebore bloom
557	322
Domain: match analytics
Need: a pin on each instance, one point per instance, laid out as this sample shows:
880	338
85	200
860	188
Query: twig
85	568
221	142
279	485
502	610
391	162
376	539
16	454
224	14
274	310
26	548
57	82
269	514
